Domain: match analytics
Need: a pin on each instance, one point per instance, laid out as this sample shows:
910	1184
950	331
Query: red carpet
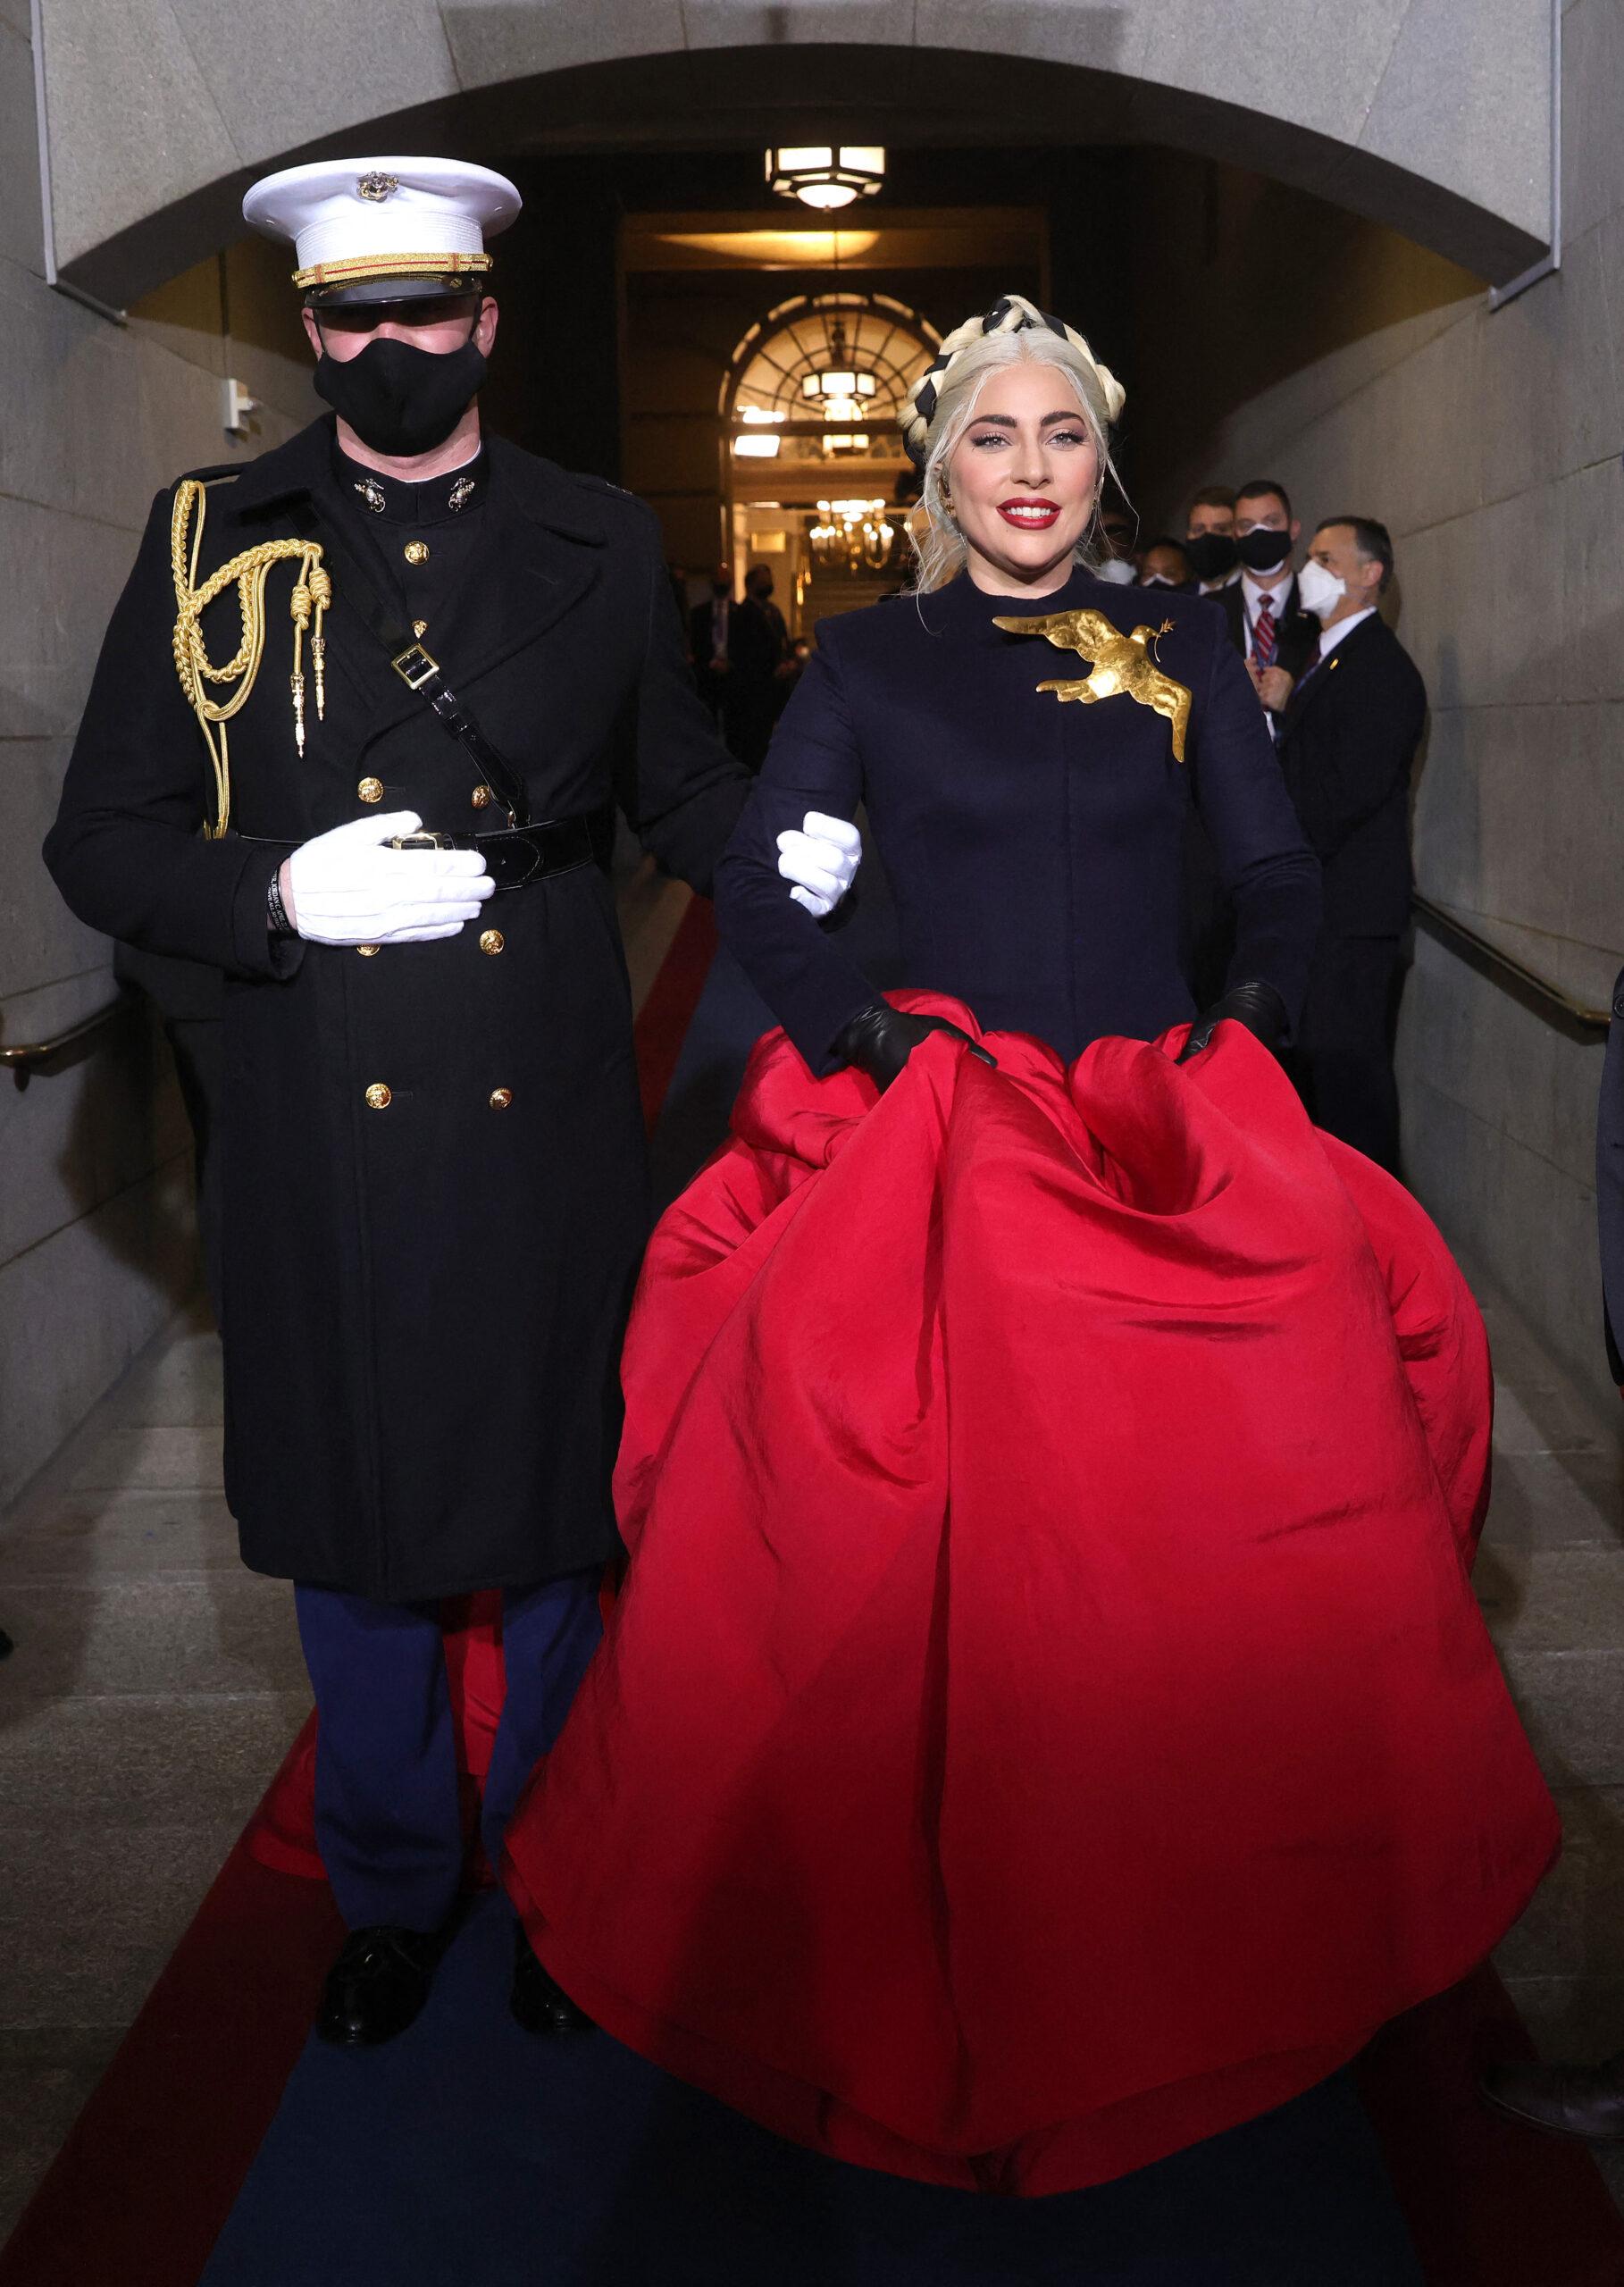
141	2188
137	2194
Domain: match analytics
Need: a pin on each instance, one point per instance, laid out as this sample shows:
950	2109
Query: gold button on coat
366	951
420	627
492	940
480	797
371	790
379	1097
417	551
500	1097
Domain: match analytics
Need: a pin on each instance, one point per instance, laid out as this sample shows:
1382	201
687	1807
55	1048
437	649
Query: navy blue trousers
388	1819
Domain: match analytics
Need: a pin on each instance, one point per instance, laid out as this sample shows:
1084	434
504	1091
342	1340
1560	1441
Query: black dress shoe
1584	2100
378	1984
541	2004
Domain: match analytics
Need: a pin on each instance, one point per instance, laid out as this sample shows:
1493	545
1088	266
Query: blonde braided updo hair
942	404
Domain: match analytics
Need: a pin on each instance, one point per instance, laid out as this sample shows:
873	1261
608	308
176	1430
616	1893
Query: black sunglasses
425	310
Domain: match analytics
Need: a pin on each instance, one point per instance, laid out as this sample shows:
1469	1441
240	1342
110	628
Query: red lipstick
1029	512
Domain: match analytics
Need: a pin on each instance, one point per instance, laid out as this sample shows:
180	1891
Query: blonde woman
1031	841
1047	1721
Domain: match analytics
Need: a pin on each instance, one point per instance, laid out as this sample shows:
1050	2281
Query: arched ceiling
1433	116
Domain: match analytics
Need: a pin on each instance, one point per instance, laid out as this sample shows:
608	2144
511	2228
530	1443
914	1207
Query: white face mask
1320	591
1157	580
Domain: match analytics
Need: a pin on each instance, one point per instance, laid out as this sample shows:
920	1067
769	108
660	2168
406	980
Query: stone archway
1433	116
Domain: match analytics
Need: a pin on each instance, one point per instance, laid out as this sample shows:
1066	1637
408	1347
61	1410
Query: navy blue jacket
1033	845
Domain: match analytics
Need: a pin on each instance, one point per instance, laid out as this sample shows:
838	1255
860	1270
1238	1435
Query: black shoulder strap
354	591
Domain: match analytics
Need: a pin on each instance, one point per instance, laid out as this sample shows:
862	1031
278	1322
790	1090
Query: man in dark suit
1268	623
1276	638
1346	738
759	669
709	628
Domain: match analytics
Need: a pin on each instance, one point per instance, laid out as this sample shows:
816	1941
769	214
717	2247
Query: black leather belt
517	855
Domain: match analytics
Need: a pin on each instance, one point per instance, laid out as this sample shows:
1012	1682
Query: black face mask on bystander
1261	549
1210	554
400	399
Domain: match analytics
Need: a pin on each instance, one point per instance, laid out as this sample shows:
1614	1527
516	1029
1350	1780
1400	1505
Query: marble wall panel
55	616
76	1310
1318	72
1593	152
502	40
41	944
85	1131
1110	37
1456	85
1552	403
132	122
1587	640
764	23
324	67
22	229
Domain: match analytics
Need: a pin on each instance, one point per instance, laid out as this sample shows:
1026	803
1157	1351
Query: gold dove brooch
1122	665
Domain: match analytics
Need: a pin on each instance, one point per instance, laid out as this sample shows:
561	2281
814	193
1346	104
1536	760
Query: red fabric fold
1047	1718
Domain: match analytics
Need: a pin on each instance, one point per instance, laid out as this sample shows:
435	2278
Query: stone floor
156	1684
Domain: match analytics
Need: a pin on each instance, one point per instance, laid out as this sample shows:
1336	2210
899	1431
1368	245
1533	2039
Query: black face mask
1210	554
400	399
1260	549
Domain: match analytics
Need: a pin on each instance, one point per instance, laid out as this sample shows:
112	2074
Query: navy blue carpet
469	2152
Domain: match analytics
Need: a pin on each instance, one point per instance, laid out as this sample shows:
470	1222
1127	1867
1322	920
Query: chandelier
839	391
825	175
854	536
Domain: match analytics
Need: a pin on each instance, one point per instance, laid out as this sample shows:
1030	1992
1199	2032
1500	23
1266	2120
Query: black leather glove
881	1040
1258	1007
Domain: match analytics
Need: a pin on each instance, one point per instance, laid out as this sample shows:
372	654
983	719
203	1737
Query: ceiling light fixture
825	175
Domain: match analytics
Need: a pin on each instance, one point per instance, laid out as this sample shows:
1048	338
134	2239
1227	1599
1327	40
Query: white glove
342	888
821	860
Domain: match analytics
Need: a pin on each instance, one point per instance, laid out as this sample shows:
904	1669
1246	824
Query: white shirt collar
1330	637
1216	587
1274	591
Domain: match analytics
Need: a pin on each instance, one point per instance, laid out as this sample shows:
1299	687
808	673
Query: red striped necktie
1263	643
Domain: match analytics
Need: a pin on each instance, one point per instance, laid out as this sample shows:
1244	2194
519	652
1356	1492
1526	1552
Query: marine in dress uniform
403	674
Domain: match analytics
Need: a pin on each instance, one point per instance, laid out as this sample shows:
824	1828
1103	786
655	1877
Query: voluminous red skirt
1046	1719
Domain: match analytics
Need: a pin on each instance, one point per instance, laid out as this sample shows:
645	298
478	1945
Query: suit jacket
434	1192
1031	845
1347	742
757	640
1296	633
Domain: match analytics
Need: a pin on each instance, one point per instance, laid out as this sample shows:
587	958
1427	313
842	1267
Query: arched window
822	378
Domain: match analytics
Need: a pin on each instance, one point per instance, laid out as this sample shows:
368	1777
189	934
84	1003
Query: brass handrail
1536	993
28	1056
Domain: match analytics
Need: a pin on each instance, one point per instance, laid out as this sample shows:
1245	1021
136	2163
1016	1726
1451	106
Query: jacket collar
968	612
1316	681
546	530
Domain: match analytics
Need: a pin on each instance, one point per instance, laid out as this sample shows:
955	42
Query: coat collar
546	530
542	492
968	612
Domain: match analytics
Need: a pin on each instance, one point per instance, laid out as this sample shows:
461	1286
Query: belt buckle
414	666
427	839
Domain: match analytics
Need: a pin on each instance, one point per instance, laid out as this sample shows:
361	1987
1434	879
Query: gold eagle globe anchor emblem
1122	665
